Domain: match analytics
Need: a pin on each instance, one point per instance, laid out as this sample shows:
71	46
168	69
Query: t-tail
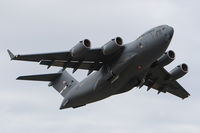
61	81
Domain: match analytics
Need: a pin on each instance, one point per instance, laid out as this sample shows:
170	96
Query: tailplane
61	81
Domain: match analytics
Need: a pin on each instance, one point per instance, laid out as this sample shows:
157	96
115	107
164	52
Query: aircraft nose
163	39
169	33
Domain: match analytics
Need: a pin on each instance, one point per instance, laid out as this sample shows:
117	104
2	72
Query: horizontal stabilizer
61	81
41	77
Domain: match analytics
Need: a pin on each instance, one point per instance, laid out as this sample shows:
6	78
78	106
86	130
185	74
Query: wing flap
176	89
46	56
91	60
157	78
92	55
72	64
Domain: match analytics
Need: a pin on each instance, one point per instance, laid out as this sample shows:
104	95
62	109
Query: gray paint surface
42	25
120	68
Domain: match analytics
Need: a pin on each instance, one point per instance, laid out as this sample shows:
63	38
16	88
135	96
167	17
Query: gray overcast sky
34	26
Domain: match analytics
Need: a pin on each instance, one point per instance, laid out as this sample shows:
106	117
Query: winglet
11	54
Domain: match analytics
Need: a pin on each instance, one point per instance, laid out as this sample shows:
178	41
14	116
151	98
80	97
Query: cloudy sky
34	26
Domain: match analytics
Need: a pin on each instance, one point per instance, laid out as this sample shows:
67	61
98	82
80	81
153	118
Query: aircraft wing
92	55
91	60
87	65
157	78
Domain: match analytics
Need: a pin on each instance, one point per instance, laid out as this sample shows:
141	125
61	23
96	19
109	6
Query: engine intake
178	71
112	46
166	58
79	49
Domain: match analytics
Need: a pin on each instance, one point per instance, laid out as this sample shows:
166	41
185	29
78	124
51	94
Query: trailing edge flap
41	77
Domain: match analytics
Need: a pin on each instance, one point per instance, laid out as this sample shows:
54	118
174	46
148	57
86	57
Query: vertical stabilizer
64	83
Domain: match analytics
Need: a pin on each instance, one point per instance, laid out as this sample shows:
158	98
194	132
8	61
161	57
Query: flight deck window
146	33
163	28
158	32
141	45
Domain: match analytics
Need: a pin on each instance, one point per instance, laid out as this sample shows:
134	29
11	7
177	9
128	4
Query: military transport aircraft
118	68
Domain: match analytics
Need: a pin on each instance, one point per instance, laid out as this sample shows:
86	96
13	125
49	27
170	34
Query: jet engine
81	48
178	71
112	46
166	58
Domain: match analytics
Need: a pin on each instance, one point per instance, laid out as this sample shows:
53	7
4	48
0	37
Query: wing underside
87	65
157	78
91	60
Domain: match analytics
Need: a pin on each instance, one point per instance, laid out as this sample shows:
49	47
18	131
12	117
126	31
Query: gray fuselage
125	72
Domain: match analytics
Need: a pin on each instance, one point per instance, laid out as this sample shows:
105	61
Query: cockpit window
148	32
158	32
163	28
141	45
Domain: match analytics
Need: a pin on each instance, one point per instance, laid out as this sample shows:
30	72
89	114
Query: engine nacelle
178	71
166	58
112	46
79	49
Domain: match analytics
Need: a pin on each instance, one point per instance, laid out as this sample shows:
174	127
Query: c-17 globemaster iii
118	68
